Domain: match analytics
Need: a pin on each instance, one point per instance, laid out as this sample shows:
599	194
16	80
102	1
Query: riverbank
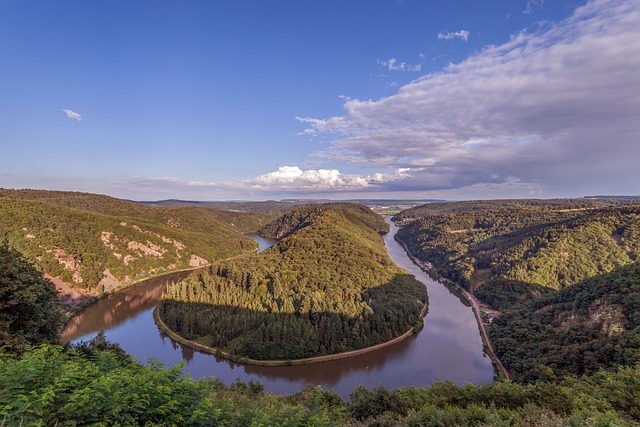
500	370
307	361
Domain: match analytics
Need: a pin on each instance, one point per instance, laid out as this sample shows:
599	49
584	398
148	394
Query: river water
448	348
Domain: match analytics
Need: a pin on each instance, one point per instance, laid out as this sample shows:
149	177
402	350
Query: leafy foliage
96	384
328	286
29	307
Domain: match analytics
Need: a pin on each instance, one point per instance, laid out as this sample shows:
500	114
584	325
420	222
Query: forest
84	238
327	286
592	325
510	253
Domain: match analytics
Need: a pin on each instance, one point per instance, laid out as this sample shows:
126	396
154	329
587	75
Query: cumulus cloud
294	178
462	35
554	108
393	65
72	115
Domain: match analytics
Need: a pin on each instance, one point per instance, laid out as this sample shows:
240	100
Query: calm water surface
448	348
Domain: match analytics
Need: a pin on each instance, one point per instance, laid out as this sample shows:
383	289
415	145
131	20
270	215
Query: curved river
448	348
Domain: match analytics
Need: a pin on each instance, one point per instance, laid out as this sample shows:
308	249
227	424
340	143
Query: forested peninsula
327	286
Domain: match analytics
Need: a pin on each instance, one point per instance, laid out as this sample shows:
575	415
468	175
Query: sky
339	99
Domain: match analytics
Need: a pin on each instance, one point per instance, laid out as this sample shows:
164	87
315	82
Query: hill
92	244
327	286
509	253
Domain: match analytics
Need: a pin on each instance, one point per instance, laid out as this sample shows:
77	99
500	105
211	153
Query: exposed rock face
197	261
109	281
602	314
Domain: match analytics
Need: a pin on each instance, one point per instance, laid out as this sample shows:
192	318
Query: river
448	348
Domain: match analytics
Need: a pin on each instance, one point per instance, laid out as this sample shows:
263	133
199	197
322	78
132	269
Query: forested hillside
29	306
578	330
509	254
327	286
96	243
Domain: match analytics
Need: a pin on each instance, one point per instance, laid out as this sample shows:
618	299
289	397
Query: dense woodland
510	254
327	286
578	330
83	238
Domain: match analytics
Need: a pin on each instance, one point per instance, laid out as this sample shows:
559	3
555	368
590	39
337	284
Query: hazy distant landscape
383	213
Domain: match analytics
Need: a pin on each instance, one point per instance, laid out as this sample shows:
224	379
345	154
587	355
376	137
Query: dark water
448	348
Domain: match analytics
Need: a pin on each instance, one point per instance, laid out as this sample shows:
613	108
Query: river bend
448	348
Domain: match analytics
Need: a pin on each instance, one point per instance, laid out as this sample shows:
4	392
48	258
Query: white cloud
73	115
393	65
294	178
532	5
559	107
462	35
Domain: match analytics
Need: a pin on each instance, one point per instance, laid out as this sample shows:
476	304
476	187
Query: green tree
29	305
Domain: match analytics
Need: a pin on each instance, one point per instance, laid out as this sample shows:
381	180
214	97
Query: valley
326	268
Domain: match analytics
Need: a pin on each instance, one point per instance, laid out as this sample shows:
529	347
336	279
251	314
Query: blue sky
337	99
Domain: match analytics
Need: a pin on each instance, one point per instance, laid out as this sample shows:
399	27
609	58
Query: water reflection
119	307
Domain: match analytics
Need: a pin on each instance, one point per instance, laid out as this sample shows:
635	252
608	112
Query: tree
29	304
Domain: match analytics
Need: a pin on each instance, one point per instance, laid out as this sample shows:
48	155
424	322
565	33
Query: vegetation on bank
328	286
96	243
566	277
29	306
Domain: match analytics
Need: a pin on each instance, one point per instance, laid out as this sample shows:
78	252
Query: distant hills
288	204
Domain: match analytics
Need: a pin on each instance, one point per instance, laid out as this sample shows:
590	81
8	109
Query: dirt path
476	310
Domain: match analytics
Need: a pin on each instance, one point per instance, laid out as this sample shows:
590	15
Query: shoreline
501	371
282	362
97	298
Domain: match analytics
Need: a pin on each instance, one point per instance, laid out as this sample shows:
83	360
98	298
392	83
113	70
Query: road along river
448	348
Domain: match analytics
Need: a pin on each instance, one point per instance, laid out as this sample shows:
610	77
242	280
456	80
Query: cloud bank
557	108
286	180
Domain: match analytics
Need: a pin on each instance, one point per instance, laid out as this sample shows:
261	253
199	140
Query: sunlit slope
505	254
97	242
327	286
